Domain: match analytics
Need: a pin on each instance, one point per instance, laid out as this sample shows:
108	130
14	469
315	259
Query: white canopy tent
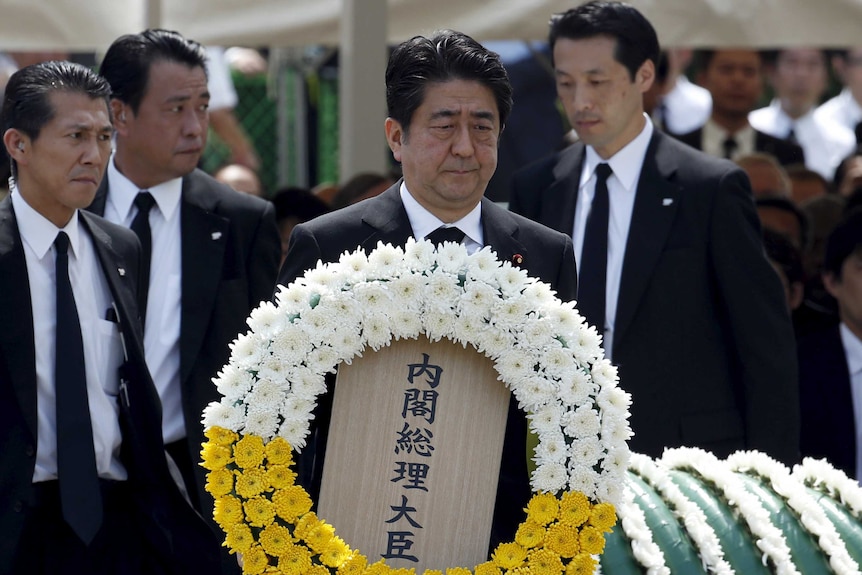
359	27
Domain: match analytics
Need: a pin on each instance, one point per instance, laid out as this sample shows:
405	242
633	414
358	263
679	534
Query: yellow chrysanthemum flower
355	564
603	517
221	436
318	570
544	562
292	502
319	537
574	508
259	511
509	555
402	571
280	476
305	523
279	452
227	511
378	568
458	571
530	534
250	483
433	572
238	538
488	568
592	540
543	508
581	564
335	553
254	561
275	539
295	560
248	451
563	539
214	456
219	482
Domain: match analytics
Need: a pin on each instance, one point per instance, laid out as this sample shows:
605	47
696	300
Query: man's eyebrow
448	113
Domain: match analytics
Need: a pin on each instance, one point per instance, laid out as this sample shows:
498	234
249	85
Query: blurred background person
767	176
844	108
294	206
241	178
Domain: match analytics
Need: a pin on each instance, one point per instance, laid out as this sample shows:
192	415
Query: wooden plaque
411	468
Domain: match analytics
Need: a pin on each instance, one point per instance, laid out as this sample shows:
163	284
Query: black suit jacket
702	336
828	423
230	253
546	255
173	529
787	153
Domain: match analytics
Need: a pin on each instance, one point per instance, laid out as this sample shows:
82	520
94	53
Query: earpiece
122	116
21	146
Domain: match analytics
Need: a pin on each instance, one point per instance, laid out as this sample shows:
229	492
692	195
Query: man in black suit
734	79
85	481
448	99
214	251
830	361
671	266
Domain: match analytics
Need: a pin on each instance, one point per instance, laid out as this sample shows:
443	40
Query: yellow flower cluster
268	519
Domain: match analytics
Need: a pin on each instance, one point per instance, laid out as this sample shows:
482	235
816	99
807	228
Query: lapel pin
216	235
517	259
667	201
122	272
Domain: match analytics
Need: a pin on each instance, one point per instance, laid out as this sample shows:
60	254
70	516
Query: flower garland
822	476
542	351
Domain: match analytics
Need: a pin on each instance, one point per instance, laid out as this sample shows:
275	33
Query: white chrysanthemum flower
586	451
565	319
575	387
516	367
291	345
322	359
266	395
386	261
613	399
495	342
537	332
293	299
347	342
248	350
439	324
274	370
541	294
233	382
295	431
296	407
510	313
225	414
441	291
534	392
604	373
373	298
547	419
616	430
551	449
513	280
616	461
550	477
418	256
405	323
467	328
482	265
452	257
478	298
376	331
558	361
323	279
266	319
583	422
406	292
610	490
306	384
354	265
587	345
582	478
345	307
261	422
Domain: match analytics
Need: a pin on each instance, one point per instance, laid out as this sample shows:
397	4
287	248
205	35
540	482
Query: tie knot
603	171
144	201
62	243
729	145
444	234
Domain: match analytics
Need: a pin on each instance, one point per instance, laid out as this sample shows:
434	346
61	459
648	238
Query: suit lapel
558	206
204	239
17	344
388	219
500	231
656	204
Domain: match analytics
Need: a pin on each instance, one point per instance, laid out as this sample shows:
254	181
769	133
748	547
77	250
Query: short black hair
781	203
126	65
784	254
844	241
703	57
841	170
446	55
636	38
26	103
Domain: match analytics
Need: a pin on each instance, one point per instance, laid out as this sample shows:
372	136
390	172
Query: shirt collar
783	122
626	163
852	348
850	103
424	222
39	232
123	192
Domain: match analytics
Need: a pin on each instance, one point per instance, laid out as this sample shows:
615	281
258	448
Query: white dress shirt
842	109
103	352
824	142
714	136
622	188
853	350
162	324
424	222
686	108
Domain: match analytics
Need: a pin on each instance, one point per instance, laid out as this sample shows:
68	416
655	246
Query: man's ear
118	115
645	76
17	145
394	137
831	283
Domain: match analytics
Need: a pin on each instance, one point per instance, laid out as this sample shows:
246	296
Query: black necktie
729	145
858	132
791	136
444	234
594	256
141	226
80	497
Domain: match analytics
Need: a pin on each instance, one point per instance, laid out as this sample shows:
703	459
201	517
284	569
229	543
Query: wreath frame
542	350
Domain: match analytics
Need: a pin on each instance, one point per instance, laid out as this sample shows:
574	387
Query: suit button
17	506
30	452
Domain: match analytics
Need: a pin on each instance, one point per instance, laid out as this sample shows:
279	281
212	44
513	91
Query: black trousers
48	546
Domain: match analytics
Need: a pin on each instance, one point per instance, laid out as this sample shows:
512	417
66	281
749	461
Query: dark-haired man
213	253
86	486
830	361
448	99
671	266
734	79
